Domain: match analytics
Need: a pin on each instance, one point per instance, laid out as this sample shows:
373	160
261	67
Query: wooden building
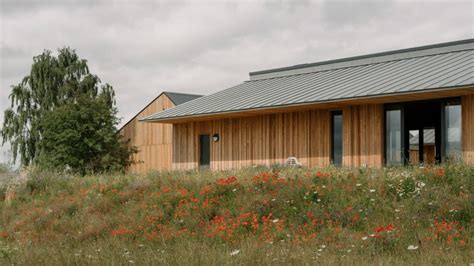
153	141
406	106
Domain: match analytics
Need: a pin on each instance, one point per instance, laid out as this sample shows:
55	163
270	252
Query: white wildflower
275	220
234	190
358	184
412	247
235	252
372	190
323	246
364	238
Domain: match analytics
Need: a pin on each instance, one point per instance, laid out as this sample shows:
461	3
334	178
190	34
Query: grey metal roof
180	98
410	70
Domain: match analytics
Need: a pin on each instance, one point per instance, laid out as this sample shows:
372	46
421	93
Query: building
391	108
154	141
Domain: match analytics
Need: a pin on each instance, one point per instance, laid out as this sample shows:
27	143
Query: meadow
259	215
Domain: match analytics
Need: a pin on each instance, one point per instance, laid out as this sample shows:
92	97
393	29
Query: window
204	151
452	136
393	137
336	143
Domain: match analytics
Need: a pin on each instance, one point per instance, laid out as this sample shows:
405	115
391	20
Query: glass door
393	135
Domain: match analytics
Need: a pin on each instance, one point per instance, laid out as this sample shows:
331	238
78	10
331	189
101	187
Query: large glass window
452	131
393	137
336	147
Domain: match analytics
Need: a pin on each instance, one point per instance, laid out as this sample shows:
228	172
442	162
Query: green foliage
4	168
82	136
59	84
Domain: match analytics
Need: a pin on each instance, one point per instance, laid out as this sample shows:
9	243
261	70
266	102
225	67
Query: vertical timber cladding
270	139
362	135
467	105
153	140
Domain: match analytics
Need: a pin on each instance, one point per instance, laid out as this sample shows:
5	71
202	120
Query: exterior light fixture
215	137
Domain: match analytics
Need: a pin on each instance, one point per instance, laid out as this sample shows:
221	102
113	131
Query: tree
55	84
82	136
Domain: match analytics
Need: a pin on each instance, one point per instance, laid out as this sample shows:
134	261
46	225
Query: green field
406	216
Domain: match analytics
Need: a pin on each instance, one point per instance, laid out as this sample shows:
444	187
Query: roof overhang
330	104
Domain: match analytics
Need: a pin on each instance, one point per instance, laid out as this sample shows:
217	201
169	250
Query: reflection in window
414	146
337	138
429	146
453	131
393	137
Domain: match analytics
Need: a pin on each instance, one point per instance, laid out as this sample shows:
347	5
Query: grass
414	216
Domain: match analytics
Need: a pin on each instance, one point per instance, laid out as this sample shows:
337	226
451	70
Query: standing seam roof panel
387	77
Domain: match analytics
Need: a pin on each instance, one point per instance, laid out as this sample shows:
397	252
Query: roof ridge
172	92
367	64
255	74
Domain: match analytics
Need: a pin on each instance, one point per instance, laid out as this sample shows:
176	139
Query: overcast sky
145	47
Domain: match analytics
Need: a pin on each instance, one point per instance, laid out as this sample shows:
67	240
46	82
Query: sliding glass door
393	136
423	132
452	130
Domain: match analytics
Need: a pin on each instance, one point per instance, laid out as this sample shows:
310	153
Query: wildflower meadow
259	215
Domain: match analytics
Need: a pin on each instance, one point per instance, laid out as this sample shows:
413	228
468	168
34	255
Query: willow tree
53	81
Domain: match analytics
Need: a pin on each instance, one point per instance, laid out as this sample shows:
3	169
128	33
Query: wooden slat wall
362	135
468	128
153	140
269	139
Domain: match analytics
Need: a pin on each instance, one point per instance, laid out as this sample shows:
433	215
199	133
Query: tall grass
251	216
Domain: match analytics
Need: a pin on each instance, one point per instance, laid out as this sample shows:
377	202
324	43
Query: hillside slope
253	216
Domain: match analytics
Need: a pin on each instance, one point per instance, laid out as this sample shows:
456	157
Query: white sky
142	48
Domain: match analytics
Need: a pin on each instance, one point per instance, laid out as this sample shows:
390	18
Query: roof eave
328	104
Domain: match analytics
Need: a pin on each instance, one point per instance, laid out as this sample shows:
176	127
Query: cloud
145	47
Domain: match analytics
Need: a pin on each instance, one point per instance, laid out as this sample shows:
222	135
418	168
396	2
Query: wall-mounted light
215	137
